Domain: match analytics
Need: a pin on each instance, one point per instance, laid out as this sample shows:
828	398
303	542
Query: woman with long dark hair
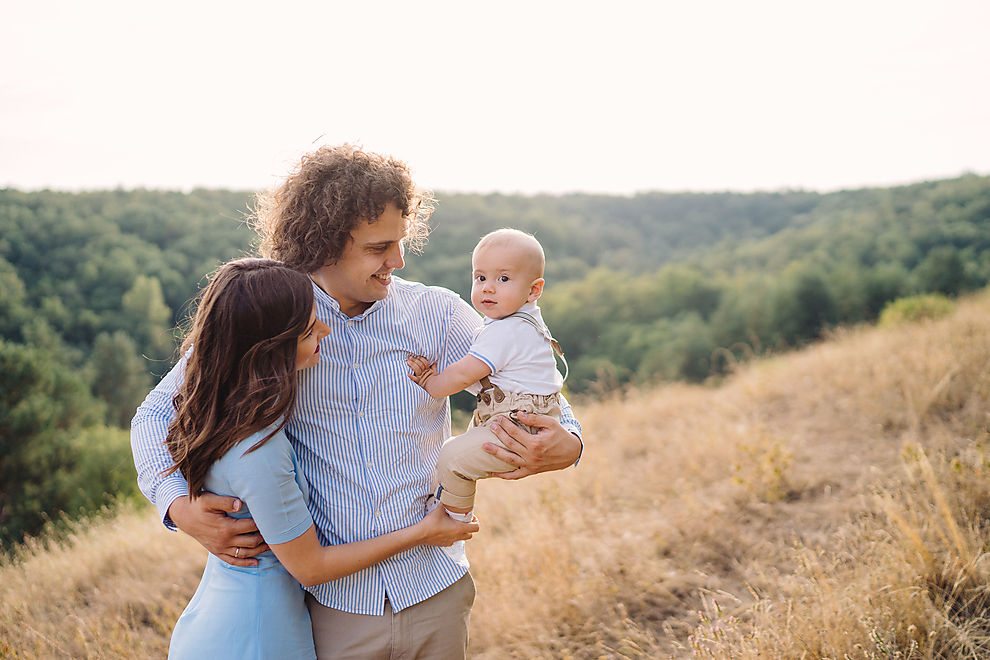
254	327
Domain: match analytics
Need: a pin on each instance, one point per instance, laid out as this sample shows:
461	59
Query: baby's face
503	281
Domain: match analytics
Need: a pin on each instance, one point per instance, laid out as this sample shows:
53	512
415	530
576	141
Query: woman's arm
312	563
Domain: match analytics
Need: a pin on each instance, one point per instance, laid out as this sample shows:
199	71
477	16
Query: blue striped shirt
366	437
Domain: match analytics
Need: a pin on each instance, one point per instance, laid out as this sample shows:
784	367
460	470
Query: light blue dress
258	612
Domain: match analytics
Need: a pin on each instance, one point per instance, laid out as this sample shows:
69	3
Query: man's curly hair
307	221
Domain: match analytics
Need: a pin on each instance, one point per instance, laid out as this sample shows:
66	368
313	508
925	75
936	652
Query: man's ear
535	290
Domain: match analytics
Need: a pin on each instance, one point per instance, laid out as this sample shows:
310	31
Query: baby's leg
462	462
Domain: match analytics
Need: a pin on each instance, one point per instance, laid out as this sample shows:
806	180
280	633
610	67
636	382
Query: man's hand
552	448
234	540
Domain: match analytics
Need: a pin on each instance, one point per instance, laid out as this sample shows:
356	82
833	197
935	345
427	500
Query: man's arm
205	519
148	431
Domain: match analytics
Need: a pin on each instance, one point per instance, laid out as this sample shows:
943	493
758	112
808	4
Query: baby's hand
422	369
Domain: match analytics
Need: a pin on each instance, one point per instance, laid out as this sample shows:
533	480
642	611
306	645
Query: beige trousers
462	460
436	628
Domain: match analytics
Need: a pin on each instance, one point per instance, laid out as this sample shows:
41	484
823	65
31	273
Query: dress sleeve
265	479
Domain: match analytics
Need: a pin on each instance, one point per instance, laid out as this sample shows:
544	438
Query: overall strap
543	330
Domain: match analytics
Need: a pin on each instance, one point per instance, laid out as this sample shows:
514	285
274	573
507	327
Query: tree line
643	288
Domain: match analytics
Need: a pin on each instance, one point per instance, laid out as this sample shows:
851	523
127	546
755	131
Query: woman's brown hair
307	221
240	374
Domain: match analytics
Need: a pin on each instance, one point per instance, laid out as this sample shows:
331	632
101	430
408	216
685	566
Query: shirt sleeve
464	324
265	479
570	423
149	429
497	344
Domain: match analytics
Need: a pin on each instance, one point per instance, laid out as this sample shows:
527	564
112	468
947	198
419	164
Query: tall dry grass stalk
829	503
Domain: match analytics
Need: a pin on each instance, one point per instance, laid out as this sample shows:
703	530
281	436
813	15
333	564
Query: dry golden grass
830	503
110	589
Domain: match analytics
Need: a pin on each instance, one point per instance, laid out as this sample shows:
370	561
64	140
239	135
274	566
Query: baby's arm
462	374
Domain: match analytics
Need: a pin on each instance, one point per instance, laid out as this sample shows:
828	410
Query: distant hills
626	275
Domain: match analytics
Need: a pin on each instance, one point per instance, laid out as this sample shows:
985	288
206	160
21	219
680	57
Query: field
826	503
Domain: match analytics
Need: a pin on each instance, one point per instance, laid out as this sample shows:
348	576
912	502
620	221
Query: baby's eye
480	278
503	278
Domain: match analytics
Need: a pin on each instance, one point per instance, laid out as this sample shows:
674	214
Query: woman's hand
437	528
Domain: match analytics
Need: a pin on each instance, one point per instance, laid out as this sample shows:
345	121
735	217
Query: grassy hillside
828	503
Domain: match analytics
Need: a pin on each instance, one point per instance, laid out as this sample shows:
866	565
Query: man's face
364	271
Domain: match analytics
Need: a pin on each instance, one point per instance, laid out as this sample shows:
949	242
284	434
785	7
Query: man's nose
394	258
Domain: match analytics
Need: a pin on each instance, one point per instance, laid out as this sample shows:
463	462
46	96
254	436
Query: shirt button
360	413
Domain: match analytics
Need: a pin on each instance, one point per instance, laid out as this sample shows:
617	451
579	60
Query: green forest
640	289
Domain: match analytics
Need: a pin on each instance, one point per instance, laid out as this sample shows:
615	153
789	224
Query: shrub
929	306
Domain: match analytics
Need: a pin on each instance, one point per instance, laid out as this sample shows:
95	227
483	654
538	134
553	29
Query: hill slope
824	502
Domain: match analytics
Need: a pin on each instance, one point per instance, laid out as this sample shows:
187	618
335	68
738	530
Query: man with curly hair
366	437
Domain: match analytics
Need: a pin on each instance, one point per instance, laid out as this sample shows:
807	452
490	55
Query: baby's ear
535	290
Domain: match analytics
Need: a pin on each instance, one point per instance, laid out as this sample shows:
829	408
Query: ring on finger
237	552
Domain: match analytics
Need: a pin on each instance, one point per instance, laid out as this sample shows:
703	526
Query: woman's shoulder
249	470
274	446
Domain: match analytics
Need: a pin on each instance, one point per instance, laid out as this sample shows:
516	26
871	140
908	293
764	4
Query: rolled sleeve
571	424
149	428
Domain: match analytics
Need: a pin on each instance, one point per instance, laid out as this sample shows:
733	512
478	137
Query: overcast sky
512	96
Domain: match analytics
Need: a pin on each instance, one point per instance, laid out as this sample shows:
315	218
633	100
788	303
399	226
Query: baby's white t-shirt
518	354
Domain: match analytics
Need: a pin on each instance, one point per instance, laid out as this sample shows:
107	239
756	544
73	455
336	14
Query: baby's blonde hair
527	245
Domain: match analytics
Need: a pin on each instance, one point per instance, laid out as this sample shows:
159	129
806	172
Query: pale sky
528	96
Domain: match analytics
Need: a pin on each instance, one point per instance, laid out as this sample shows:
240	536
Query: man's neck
348	308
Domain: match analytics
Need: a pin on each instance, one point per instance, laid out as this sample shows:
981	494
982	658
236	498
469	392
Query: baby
512	357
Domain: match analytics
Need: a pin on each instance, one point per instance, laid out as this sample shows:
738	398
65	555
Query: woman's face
308	346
